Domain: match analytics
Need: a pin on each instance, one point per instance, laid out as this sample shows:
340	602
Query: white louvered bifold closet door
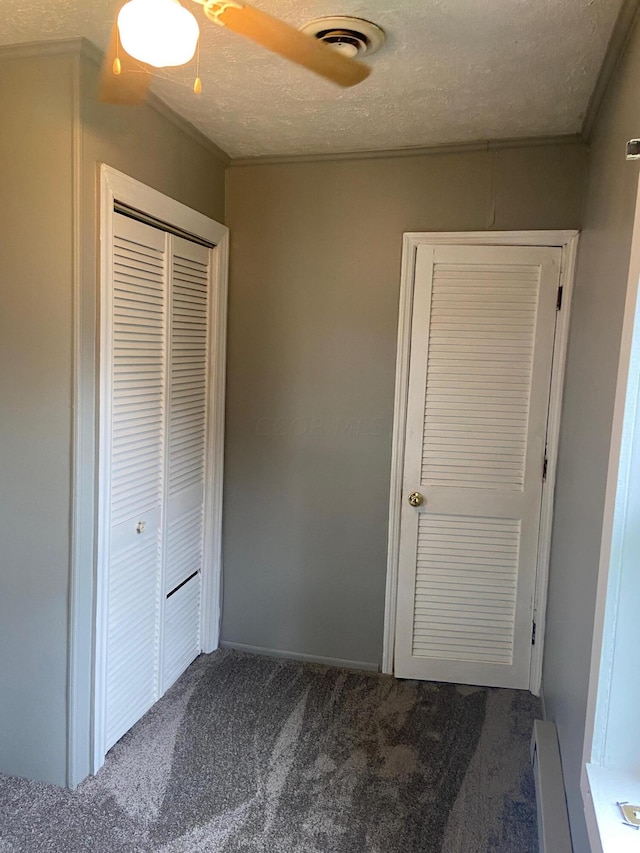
137	407
156	409
483	327
190	276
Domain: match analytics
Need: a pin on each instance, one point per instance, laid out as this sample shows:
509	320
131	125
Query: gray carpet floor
248	753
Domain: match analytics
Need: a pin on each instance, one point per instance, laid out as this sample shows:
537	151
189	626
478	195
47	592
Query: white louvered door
186	433
155	478
483	325
138	408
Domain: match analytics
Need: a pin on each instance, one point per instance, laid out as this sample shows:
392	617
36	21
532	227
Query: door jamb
114	187
568	242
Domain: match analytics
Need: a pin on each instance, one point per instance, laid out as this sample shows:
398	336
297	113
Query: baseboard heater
553	821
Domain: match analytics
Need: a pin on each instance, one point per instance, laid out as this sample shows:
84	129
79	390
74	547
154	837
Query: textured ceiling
451	71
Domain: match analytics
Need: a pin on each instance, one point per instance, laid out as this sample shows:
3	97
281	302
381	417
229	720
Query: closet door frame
568	242
117	188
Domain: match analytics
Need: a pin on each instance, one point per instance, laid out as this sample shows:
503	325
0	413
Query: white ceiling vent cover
353	37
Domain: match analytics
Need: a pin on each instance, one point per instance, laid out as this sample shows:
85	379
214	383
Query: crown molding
91	52
186	127
52	47
620	35
456	148
86	49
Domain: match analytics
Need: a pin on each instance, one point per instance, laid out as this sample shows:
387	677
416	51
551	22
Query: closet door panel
137	415
154	412
189	363
186	435
182	635
132	625
184	538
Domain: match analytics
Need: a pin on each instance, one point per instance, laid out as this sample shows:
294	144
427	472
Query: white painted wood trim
411	151
600	674
490	238
590	814
117	187
608	787
568	242
160	589
543	704
104	472
120	187
591	752
211	609
342	663
407	275
567	277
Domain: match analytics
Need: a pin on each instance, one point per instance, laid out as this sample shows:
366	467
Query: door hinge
533	634
545	465
559	302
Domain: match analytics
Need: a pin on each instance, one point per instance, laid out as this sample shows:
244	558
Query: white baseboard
543	704
553	821
279	653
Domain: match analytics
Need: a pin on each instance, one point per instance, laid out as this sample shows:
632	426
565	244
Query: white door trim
117	187
568	242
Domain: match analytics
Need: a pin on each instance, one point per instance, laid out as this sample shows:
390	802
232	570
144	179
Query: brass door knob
416	499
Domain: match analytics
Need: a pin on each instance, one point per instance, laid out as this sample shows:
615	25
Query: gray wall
54	134
588	407
315	264
35	412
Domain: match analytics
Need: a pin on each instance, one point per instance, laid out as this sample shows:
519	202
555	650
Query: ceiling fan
145	29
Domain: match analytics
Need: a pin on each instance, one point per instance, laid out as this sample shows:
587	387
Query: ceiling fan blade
131	85
285	40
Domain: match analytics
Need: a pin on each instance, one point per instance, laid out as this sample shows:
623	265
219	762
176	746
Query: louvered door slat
137	482
482	340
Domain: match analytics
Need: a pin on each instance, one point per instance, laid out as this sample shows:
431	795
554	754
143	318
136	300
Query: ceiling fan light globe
161	33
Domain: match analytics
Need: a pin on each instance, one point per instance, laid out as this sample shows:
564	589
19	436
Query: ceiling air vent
352	37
